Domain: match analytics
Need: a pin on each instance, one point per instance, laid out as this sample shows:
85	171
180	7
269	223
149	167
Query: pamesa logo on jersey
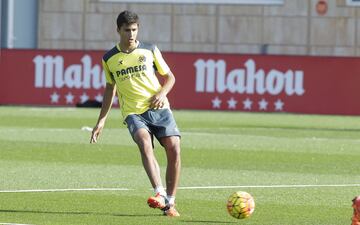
131	70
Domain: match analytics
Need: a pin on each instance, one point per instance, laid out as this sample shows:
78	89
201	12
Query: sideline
183	188
14	224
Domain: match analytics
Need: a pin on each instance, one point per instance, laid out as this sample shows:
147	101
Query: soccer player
130	69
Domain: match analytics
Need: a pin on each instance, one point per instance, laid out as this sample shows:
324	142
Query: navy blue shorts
159	122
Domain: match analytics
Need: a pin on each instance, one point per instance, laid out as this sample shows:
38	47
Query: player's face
128	33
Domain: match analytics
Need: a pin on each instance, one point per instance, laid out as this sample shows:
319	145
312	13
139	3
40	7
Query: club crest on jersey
142	59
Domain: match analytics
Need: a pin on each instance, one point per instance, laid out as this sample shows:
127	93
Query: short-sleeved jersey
134	76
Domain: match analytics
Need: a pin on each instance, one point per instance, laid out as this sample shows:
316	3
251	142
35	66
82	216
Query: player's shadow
109	214
75	213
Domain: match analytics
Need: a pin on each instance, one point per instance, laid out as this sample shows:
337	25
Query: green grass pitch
300	169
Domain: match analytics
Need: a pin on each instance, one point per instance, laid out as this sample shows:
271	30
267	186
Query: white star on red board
263	104
232	103
99	97
54	97
279	105
247	104
84	97
69	98
216	102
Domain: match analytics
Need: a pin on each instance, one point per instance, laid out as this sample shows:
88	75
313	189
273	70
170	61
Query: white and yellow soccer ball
240	205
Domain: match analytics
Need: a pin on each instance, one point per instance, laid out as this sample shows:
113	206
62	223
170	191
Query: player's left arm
157	101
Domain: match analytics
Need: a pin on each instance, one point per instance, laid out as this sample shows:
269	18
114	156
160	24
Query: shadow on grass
110	214
76	213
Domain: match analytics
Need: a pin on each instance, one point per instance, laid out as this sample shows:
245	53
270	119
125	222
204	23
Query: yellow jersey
134	76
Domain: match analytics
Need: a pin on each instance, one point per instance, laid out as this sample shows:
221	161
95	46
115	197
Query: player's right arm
108	97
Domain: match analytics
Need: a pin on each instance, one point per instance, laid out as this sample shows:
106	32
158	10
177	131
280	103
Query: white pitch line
273	186
13	224
65	190
183	188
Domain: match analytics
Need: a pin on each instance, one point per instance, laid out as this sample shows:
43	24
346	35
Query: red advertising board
254	83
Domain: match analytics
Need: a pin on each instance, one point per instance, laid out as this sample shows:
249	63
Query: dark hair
127	17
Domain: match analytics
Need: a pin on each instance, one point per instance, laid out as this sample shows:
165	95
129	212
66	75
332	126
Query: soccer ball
240	205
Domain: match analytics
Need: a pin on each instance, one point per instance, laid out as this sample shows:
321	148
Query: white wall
294	28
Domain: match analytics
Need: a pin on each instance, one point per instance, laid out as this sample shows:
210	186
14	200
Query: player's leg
172	148
163	126
144	141
140	134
